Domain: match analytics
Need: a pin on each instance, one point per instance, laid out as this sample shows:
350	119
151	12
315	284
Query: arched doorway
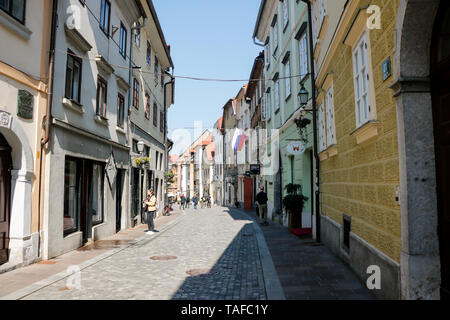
440	92
5	196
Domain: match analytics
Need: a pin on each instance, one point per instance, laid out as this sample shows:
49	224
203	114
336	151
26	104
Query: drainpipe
48	112
135	26
314	107
258	43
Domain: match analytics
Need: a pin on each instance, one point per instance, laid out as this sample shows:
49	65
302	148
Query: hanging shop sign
295	148
111	170
255	169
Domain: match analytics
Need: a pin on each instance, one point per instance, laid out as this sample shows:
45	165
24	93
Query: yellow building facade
25	33
358	143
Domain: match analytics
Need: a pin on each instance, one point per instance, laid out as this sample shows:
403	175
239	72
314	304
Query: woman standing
150	202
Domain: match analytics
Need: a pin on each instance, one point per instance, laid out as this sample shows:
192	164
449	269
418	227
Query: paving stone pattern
218	247
308	270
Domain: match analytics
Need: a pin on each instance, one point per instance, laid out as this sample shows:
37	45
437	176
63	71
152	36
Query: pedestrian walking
188	202
261	201
183	202
151	206
195	201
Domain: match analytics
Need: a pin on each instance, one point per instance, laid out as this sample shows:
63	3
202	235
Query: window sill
288	97
77	39
10	23
323	27
101	120
103	64
122	83
121	130
72	104
366	131
323	155
285	27
72	233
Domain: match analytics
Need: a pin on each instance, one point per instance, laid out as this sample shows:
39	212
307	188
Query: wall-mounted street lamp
303	96
140	146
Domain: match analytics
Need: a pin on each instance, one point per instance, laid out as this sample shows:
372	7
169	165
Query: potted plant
294	203
170	177
143	163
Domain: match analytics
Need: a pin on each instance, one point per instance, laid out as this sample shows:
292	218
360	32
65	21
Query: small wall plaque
25	103
5	119
387	70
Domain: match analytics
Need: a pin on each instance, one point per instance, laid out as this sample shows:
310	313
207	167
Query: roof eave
258	19
160	32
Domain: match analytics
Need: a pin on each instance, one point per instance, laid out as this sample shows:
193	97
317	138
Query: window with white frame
275	36
285	13
321	120
330	125
268	102
303	55
361	82
277	94
267	52
287	78
322	11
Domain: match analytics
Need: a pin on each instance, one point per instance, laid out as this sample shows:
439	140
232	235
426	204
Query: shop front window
71	196
97	193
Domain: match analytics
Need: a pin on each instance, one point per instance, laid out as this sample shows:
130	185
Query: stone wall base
22	252
360	256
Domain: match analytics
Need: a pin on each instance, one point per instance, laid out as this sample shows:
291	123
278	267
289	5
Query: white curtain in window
331	136
321	120
287	80
361	82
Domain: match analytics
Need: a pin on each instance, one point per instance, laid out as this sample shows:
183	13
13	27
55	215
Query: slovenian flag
239	139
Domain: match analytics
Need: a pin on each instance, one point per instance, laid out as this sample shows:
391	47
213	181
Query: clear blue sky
209	39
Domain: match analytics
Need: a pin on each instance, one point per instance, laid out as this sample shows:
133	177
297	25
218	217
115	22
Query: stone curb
274	290
21	293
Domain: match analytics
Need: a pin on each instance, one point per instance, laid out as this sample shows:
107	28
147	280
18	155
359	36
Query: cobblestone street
214	255
207	254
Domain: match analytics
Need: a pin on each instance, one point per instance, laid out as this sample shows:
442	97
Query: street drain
64	289
46	262
163	258
198	272
315	244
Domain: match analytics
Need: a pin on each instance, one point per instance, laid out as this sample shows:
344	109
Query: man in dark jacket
261	202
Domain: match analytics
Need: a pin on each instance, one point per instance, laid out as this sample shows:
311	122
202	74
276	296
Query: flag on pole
239	139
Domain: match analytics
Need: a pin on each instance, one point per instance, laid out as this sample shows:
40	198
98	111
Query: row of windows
73	92
136	100
105	16
364	110
149	58
272	42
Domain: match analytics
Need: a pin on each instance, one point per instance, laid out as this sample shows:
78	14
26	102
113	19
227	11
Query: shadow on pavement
237	275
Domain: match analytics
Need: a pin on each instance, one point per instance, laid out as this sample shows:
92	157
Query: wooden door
440	76
248	187
5	194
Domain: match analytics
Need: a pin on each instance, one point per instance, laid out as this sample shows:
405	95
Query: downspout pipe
258	43
51	72
48	113
315	128
135	27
